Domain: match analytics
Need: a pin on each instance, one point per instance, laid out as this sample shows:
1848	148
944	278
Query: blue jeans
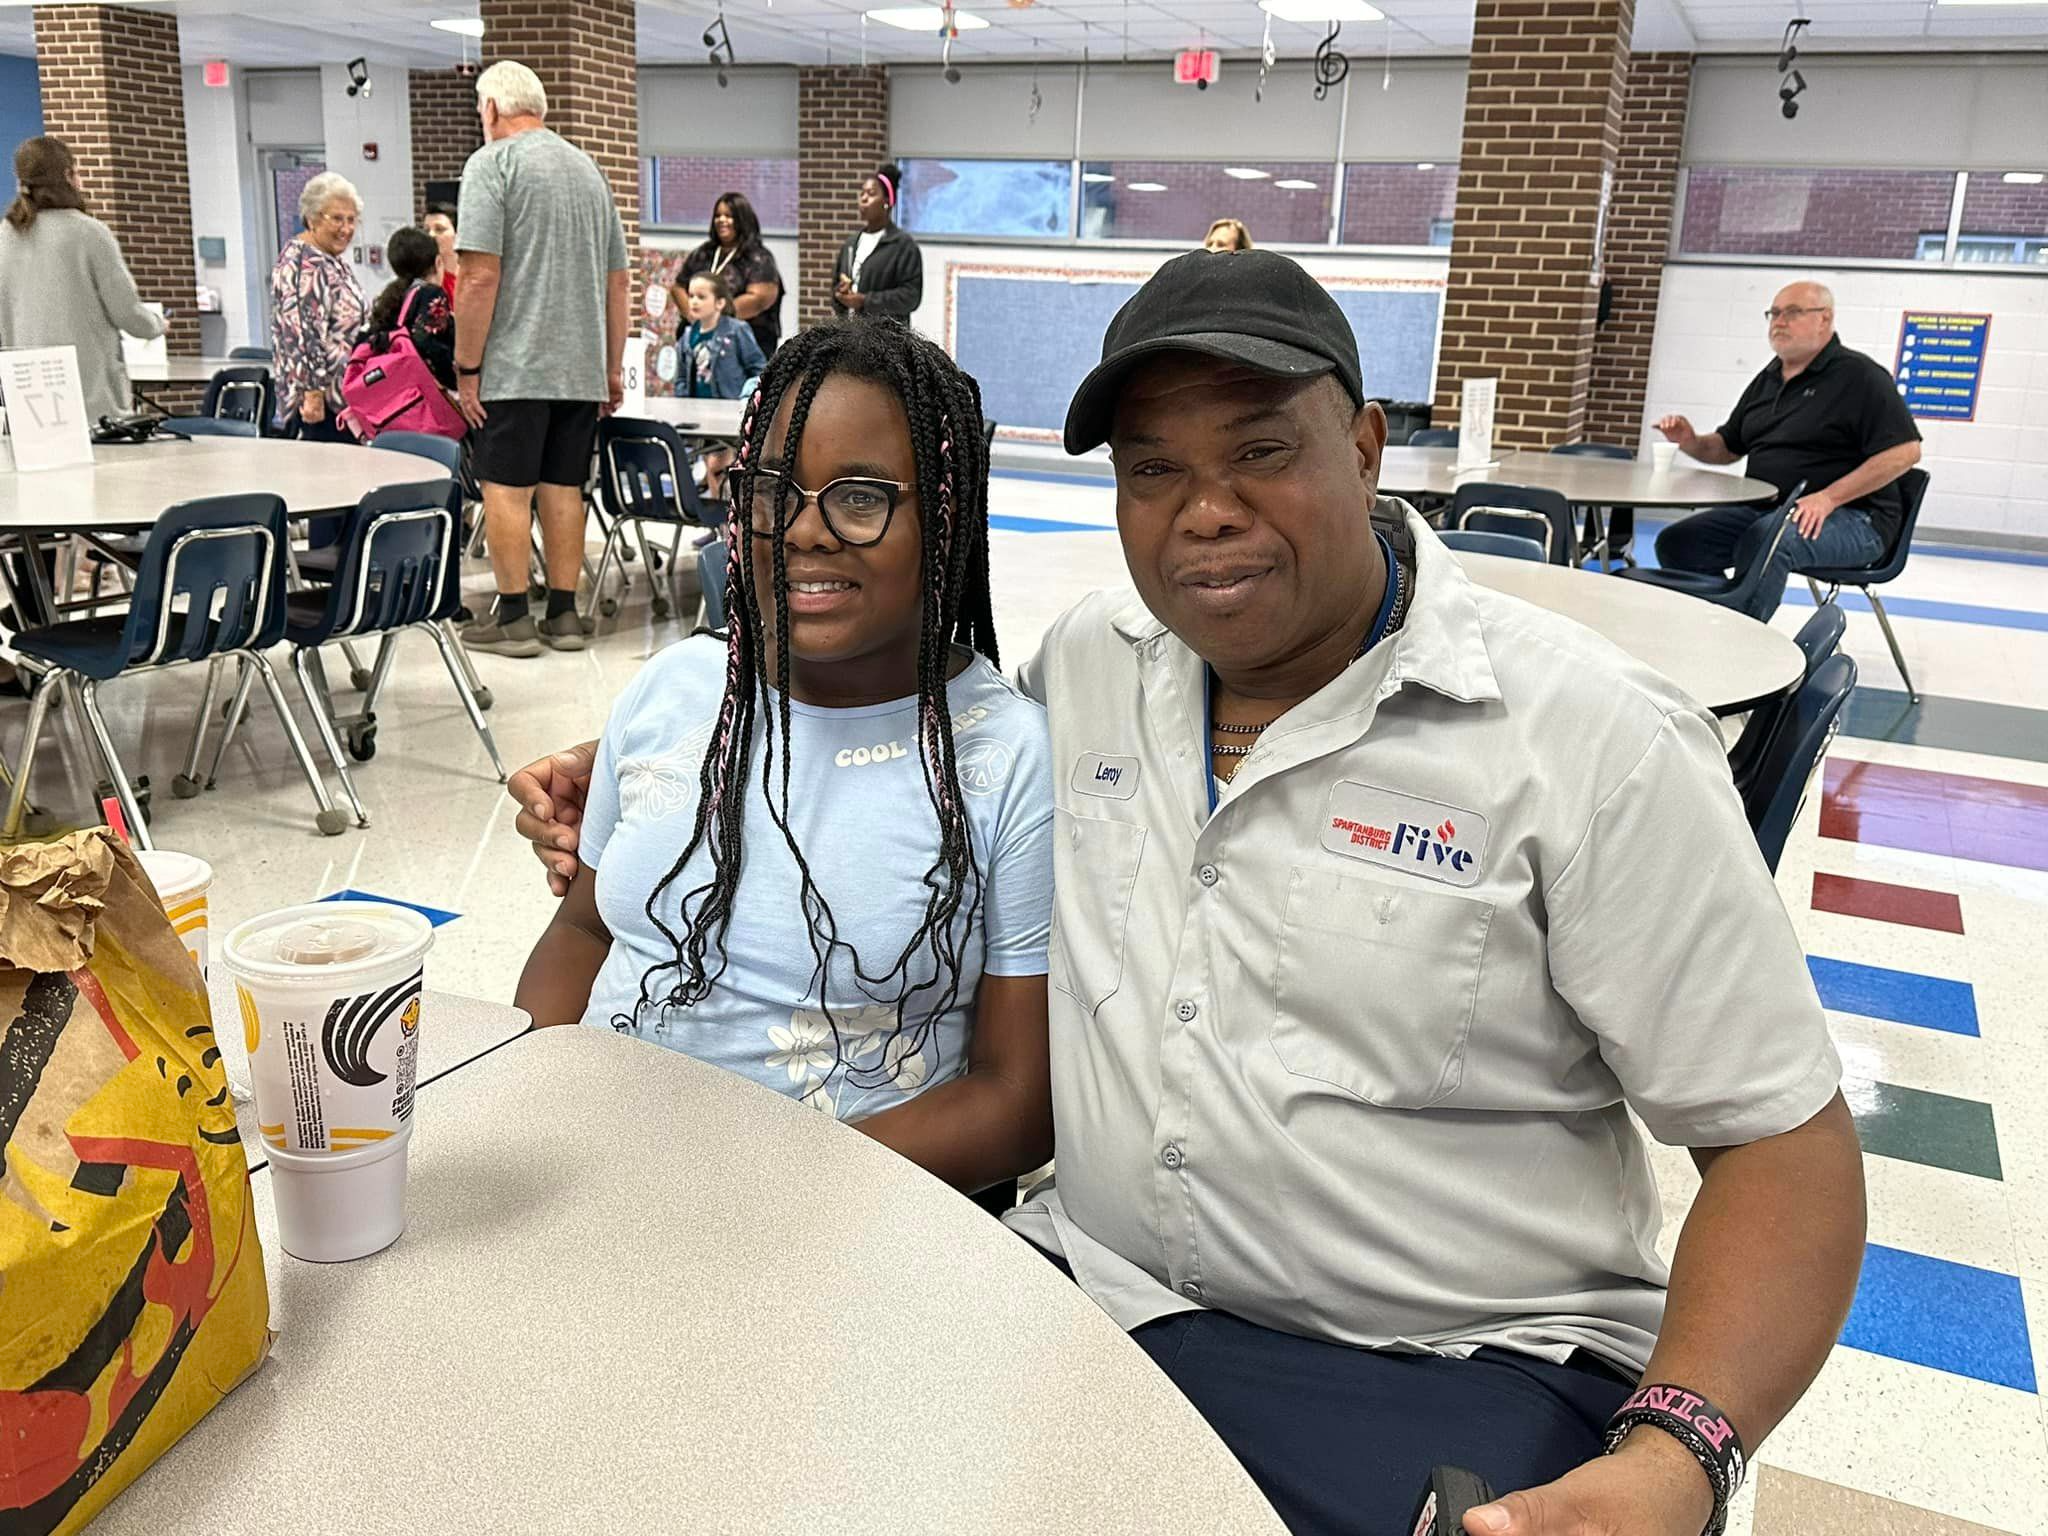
1728	538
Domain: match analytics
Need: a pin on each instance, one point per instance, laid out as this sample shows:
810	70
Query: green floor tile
1960	725
1933	1129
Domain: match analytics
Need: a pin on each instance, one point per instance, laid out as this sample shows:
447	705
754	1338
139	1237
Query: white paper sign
154	352
635	365
45	408
1475	422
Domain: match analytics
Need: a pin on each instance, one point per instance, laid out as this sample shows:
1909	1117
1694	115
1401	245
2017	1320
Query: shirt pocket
1095	871
1376	985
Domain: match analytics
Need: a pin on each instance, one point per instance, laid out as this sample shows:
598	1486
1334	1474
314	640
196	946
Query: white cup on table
1664	457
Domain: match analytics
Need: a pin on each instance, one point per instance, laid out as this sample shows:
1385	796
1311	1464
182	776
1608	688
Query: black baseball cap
1252	307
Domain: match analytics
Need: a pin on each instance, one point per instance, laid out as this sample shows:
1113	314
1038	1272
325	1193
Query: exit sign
1195	66
215	73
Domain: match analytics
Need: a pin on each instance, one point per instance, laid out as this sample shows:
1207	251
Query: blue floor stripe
1054	477
1796	596
1902	997
1045	525
435	915
1953	1317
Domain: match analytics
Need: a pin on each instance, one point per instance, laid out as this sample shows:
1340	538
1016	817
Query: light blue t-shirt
861	814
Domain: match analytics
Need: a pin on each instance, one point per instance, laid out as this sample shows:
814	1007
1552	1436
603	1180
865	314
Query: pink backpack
394	390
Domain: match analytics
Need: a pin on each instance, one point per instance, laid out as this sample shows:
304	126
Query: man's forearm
1709	449
1874	474
1766	1268
615	296
476	301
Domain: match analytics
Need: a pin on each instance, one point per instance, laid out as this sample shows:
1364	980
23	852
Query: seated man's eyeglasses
856	509
1794	311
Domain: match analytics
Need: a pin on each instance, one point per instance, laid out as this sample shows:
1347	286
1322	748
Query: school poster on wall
1941	363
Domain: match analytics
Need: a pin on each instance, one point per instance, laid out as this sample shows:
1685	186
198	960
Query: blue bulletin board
1941	363
1030	340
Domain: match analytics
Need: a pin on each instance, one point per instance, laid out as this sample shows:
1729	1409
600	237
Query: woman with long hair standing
316	310
62	280
736	254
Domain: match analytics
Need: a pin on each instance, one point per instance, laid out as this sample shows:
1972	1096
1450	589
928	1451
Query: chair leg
245	679
1814	587
355	663
186	784
1898	657
451	656
476	684
387	648
324	724
658	597
604	562
38	712
332	822
89	700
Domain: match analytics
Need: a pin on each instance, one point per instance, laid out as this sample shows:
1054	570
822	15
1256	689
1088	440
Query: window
1281	202
1017	199
1403	204
679	191
1771	211
2005	219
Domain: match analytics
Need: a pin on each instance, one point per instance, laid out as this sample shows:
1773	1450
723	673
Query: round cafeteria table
640	1293
128	485
717	420
1724	660
1581	481
187	370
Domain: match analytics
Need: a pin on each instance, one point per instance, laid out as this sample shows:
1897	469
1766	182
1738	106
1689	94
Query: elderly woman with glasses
316	310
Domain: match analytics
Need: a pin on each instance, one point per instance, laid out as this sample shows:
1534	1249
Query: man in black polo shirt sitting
1818	413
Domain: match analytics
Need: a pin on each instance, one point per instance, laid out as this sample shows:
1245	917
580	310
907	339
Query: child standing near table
721	360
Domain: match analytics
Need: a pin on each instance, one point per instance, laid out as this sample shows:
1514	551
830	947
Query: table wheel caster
332	823
362	741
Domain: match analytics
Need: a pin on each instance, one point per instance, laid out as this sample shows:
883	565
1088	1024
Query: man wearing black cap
1380	899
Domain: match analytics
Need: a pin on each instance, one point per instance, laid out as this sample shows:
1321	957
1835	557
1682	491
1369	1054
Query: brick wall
842	135
685	188
1995	207
445	129
1759	211
112	91
1397	204
1653	106
1542	123
585	54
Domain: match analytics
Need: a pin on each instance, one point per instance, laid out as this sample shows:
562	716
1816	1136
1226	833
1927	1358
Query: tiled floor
1918	877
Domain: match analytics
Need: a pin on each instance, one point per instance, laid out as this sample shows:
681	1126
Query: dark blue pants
1726	538
1342	1440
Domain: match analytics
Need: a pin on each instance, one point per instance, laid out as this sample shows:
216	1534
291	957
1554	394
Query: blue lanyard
1379	633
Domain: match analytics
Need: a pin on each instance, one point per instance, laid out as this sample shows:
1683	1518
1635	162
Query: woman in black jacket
880	270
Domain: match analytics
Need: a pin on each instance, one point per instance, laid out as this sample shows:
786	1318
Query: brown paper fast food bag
132	1295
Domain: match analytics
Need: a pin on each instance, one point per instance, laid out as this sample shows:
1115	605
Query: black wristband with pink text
1695	1424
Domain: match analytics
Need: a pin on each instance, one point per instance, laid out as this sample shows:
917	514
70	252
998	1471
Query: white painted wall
1990	476
221	168
384	184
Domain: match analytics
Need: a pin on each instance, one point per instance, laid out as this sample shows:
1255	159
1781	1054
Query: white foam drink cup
330	997
1664	457
182	882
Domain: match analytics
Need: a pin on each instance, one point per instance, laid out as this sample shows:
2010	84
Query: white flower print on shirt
804	1047
660	785
819	1096
909	1067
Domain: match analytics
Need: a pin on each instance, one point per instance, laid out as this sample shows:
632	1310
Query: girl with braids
817	850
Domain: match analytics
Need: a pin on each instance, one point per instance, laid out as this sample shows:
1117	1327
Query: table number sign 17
45	406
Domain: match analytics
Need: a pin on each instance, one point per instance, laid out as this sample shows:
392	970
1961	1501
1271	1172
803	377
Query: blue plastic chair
1527	511
1819	638
207	426
254	354
711	583
643	476
1433	437
210	585
1729	591
398	550
1618	531
1782	777
1478	541
241	394
1913	489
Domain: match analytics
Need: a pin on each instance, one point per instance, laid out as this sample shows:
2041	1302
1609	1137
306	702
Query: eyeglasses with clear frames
856	509
1795	311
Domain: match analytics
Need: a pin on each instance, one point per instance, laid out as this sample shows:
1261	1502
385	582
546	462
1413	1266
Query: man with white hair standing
540	328
1818	414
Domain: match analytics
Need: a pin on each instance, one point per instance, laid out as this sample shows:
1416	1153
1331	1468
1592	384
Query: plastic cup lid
172	872
324	938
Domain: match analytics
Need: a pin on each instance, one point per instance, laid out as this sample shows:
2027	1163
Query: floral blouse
317	311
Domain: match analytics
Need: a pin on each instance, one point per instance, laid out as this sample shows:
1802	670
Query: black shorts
536	442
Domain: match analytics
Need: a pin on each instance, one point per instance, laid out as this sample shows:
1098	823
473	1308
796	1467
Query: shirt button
1172	1157
1208	875
1185	1012
1192	1291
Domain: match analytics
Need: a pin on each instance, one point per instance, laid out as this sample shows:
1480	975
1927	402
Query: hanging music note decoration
719	41
1331	66
1266	58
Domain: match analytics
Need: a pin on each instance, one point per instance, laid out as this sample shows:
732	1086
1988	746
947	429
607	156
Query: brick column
1653	106
445	129
586	54
842	134
112	91
1542	125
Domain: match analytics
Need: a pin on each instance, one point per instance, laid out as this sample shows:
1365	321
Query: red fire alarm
1196	67
370	151
215	73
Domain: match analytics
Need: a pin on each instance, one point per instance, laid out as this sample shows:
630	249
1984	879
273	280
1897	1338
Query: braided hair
943	405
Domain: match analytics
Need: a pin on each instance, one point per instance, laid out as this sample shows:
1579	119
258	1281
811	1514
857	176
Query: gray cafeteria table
1581	481
454	1031
638	1293
710	420
187	370
1724	660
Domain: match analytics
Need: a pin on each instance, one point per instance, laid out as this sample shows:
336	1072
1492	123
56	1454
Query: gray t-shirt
543	208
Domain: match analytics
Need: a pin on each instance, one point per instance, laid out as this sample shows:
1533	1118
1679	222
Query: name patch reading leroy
1109	778
1420	837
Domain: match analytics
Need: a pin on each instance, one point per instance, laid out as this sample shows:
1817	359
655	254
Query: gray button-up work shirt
1349	1057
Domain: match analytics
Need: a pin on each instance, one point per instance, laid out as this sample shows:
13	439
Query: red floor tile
1952	814
1915	908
